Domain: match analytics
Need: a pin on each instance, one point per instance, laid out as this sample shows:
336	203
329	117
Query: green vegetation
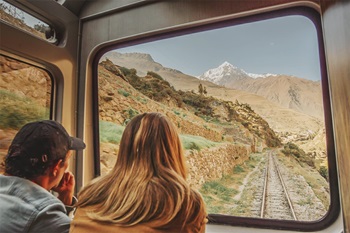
130	113
154	75
219	195
323	172
224	193
191	142
176	112
142	100
152	85
238	169
15	110
291	149
201	104
110	132
123	92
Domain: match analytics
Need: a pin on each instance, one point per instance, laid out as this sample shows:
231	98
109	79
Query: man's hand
65	188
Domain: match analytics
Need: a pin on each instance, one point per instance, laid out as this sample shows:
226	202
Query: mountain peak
144	56
223	72
226	63
229	66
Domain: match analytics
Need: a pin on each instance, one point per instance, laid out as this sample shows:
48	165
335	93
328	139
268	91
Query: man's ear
56	167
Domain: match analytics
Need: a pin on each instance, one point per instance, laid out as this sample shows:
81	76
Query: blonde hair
148	181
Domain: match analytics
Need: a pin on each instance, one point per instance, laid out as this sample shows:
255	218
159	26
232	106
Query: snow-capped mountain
288	91
226	74
223	74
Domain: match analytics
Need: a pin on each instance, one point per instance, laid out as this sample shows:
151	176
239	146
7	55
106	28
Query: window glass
25	95
21	19
247	102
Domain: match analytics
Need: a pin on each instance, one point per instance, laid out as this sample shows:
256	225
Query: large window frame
314	16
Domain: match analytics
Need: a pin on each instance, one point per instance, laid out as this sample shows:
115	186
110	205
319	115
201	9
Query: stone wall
204	165
213	163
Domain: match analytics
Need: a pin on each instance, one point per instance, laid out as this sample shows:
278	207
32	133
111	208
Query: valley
291	106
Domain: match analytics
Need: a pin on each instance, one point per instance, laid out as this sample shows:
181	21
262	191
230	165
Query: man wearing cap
36	164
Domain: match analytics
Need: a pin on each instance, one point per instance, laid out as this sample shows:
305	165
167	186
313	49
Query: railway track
275	203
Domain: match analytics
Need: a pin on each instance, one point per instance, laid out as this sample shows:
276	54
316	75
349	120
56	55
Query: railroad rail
276	202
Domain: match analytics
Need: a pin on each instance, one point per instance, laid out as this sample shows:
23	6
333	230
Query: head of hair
37	146
29	168
148	181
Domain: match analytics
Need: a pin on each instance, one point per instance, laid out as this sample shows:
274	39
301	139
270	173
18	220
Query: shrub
293	150
238	169
323	172
110	132
15	111
220	191
193	146
125	71
123	92
129	114
154	75
191	142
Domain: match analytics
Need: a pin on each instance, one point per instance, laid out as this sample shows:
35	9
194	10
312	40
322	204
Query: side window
248	103
26	22
25	95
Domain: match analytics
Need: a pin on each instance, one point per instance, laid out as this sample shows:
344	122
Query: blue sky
285	45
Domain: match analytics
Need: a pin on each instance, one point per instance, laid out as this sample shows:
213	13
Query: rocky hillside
25	80
198	109
259	98
289	124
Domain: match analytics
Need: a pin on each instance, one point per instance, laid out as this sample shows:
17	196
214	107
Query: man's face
63	168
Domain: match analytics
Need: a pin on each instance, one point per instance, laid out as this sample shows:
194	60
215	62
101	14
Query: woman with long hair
146	191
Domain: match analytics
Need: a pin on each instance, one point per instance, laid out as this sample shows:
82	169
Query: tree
40	27
200	89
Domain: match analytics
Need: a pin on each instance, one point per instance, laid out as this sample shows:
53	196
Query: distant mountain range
290	105
287	91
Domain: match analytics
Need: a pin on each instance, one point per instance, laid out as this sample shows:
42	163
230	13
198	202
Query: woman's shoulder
83	224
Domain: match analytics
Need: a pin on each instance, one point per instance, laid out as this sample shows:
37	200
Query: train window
25	95
248	100
24	21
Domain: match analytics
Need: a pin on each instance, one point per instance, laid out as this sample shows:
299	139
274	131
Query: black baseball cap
43	142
